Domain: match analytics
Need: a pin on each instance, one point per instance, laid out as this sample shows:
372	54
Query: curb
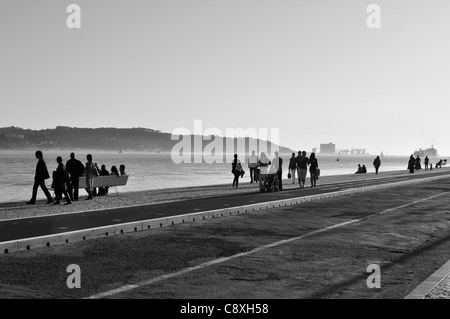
117	229
430	283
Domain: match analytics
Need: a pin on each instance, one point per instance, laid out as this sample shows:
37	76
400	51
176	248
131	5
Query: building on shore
329	148
422	152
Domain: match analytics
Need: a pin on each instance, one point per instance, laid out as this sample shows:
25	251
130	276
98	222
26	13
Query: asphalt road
48	225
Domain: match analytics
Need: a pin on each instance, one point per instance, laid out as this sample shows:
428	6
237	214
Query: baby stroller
268	180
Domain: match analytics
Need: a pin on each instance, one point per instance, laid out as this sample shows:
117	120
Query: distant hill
103	139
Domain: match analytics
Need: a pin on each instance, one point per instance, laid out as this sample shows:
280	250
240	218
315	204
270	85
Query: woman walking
313	169
237	170
411	164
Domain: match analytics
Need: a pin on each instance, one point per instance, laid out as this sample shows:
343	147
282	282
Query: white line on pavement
258	249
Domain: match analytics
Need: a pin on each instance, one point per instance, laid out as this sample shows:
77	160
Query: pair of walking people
60	180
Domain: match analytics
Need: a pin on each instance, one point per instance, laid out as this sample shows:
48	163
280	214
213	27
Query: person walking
278	165
313	169
293	167
236	169
417	165
91	173
426	161
76	170
62	179
253	165
39	179
411	164
377	164
302	168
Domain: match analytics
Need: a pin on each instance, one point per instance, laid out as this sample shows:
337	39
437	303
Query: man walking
75	169
293	167
253	165
91	173
302	168
427	161
377	164
39	179
278	164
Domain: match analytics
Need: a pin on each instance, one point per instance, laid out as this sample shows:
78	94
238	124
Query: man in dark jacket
39	179
75	169
278	164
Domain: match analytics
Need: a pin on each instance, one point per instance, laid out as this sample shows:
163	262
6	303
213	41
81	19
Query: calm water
156	171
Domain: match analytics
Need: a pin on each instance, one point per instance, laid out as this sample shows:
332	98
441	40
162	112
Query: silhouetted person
103	190
114	171
76	170
122	170
61	179
426	162
292	167
263	164
364	169
411	164
359	171
278	164
377	164
417	163
236	169
253	167
39	179
302	168
91	173
313	169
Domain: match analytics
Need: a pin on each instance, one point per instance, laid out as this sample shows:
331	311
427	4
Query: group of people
414	164
299	164
262	166
66	178
363	169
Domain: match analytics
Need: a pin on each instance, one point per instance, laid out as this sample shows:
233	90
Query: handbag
289	175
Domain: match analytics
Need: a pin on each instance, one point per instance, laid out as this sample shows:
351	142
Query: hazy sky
311	68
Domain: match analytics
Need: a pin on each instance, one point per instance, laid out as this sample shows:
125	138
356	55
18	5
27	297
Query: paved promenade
317	249
49	225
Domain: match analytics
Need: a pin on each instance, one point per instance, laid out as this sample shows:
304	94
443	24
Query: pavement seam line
253	251
215	262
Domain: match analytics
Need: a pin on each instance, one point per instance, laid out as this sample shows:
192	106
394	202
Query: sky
310	68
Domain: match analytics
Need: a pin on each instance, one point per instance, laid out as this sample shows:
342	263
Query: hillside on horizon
106	139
